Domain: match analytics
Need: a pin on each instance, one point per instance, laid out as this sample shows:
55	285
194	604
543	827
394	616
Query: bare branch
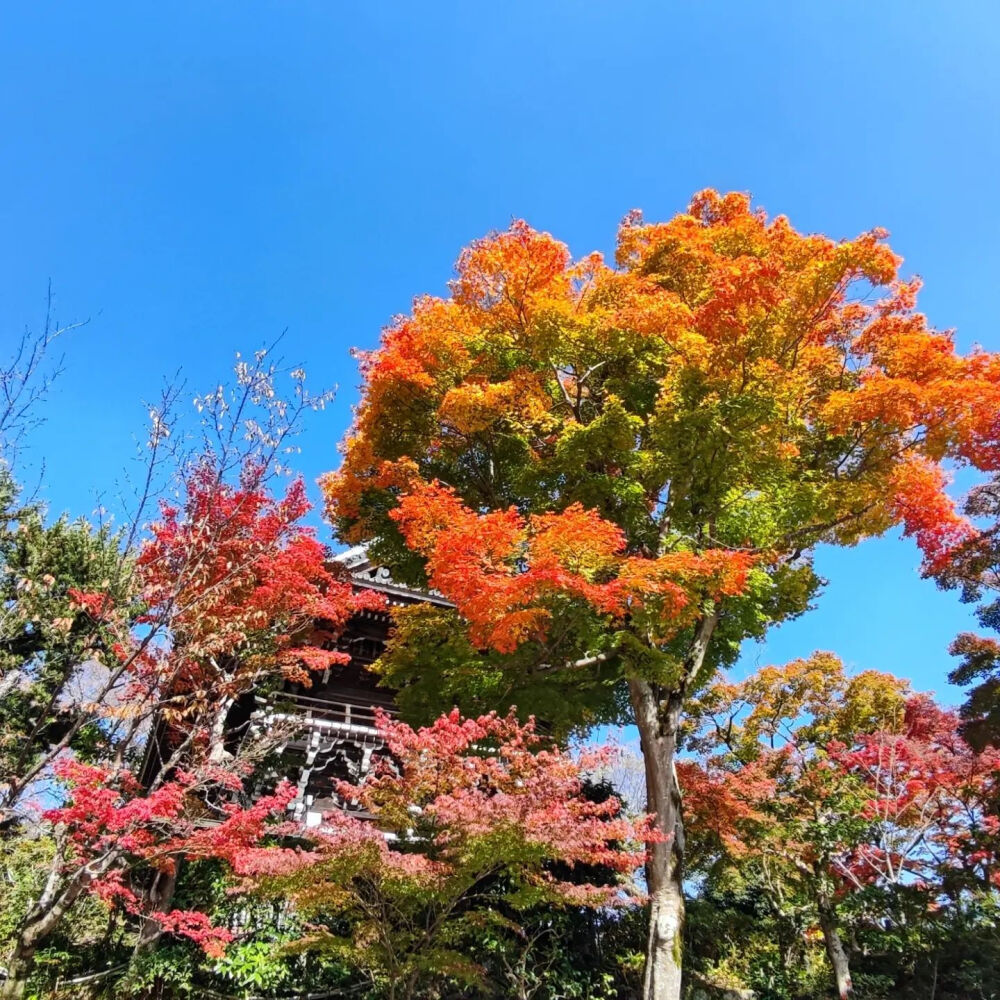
25	381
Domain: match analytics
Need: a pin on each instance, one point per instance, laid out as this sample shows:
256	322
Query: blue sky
196	177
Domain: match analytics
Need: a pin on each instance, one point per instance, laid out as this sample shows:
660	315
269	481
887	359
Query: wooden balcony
340	714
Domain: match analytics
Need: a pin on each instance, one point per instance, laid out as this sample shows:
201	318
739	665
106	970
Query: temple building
335	734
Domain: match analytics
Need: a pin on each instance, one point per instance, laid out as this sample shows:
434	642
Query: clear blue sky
198	176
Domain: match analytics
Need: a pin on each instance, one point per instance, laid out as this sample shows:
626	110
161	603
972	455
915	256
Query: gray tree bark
835	949
665	945
658	712
39	924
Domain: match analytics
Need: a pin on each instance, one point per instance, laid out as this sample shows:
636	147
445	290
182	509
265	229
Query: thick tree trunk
835	950
18	967
658	727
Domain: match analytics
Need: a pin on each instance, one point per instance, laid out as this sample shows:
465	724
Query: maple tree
230	586
221	598
617	472
111	825
455	819
243	585
836	791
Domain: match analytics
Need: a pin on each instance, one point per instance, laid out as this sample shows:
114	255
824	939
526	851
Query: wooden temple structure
335	735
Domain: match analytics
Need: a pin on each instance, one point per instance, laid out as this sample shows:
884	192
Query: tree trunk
45	915
835	949
658	734
40	923
161	895
19	964
658	718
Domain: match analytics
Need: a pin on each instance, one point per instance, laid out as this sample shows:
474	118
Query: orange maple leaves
503	571
763	381
927	512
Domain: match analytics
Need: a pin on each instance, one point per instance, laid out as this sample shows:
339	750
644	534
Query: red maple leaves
232	587
463	793
237	578
112	826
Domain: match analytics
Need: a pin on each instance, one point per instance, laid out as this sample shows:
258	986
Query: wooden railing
343	714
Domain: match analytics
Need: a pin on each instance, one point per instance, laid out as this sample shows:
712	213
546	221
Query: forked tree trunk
835	949
658	727
45	915
658	713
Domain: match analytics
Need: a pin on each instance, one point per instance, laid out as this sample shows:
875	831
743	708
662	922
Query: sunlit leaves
238	582
729	386
111	824
508	576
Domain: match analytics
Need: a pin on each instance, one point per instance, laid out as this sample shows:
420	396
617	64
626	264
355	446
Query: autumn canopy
617	472
632	436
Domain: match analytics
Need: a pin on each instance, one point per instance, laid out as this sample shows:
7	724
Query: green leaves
256	964
49	642
429	662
